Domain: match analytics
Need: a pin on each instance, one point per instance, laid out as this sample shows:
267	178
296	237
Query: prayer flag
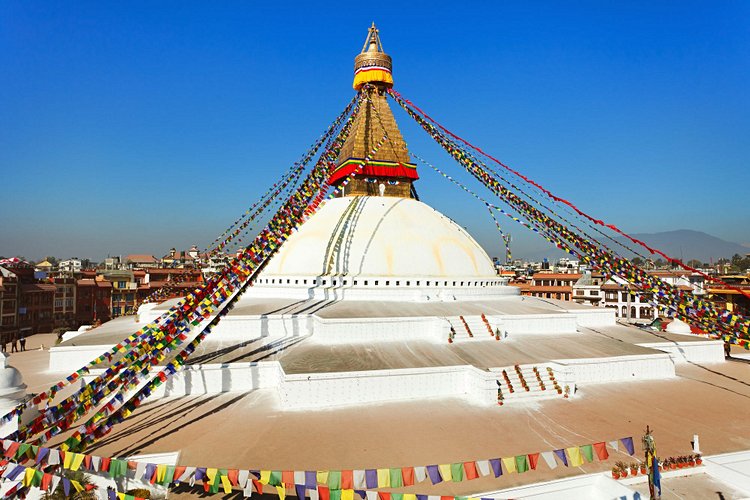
434	472
574	452
396	479
509	464
470	471
549	458
601	450
522	463
561	455
445	472
627	442
497	468
407	473
384	478
533	459
588	452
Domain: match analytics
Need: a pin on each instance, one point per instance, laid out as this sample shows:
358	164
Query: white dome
677	326
11	381
380	236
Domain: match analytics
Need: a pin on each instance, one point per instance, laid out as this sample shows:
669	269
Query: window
367	280
387	283
355	282
398	283
594	293
376	282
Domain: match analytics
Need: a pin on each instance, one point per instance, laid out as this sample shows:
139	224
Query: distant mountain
683	244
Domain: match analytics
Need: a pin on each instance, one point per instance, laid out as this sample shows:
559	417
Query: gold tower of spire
389	171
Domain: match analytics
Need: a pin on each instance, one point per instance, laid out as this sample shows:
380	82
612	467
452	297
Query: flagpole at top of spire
373	65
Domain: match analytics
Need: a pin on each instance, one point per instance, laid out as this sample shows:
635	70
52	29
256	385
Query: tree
637	261
694	263
59	493
659	263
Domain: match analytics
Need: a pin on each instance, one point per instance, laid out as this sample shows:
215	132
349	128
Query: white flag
484	467
549	457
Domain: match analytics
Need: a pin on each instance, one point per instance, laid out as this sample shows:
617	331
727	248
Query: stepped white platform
339	353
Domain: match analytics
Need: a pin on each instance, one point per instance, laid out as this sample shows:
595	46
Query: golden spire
373	65
388	170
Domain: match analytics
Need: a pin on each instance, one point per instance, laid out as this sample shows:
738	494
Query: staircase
527	382
470	328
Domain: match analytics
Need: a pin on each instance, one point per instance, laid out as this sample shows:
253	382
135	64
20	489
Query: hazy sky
134	127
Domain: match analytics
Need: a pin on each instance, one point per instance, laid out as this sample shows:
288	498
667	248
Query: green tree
637	261
59	493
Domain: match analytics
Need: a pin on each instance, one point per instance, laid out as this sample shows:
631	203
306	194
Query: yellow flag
445	471
227	484
347	494
211	473
78	486
27	477
574	456
161	471
77	460
509	464
322	477
281	491
384	478
68	460
410	496
265	476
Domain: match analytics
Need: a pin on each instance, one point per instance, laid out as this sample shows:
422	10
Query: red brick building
548	285
93	301
35	308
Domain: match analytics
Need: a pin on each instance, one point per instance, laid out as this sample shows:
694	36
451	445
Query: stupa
379	298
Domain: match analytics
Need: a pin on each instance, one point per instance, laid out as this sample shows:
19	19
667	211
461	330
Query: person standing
14	345
23	342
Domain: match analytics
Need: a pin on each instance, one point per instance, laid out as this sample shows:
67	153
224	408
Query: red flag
533	459
601	451
347	480
408	475
470	468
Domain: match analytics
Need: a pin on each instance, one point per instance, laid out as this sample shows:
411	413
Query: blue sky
134	127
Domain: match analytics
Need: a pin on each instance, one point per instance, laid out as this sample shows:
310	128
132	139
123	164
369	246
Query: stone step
535	389
469	328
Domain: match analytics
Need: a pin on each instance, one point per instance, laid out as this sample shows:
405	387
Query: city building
141	261
124	291
587	290
93	301
736	298
64	307
547	284
73	265
174	258
9	296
